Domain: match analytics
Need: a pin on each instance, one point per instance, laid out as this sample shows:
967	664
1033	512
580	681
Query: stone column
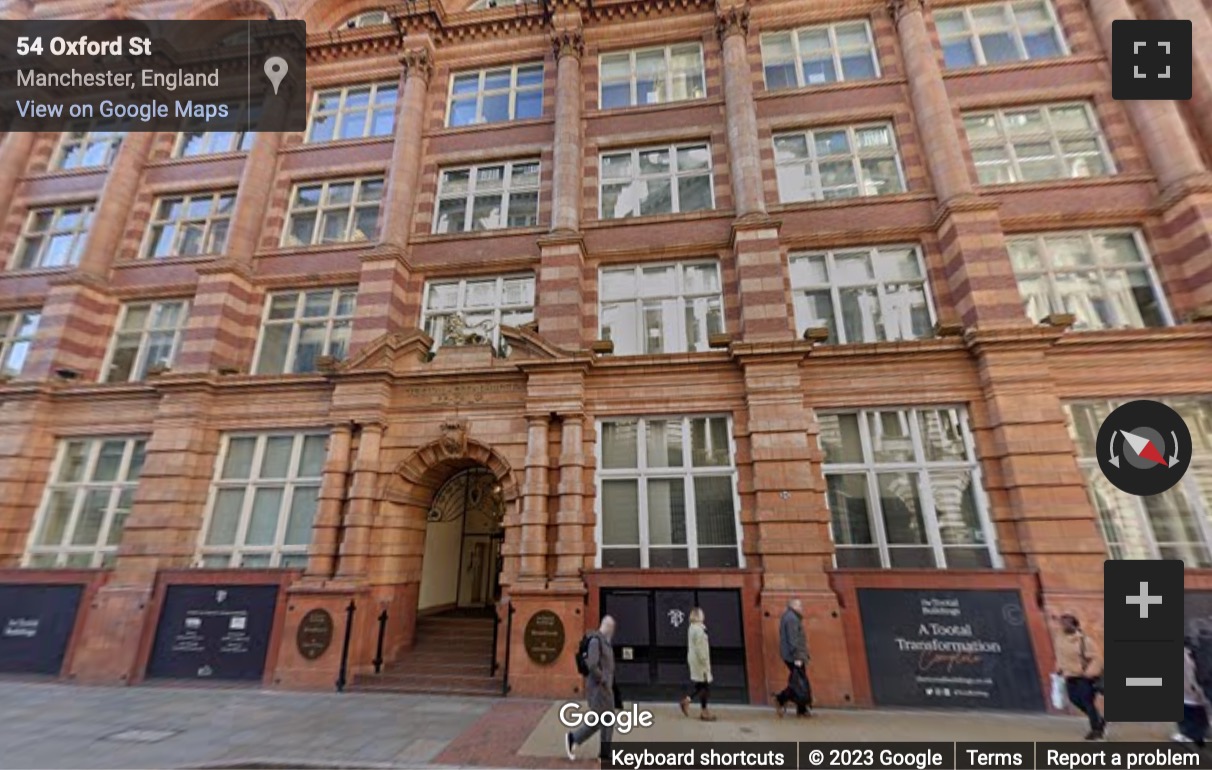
744	158
223	321
570	545
26	456
533	548
14	156
385	271
1171	150
363	499
568	158
325	540
933	116
252	197
1201	76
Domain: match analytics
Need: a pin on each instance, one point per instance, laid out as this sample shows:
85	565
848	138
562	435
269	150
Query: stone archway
397	551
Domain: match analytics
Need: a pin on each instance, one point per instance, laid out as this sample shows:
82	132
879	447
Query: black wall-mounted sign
315	633
949	649
36	622
544	637
213	632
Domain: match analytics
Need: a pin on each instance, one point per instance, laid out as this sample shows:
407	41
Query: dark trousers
803	701
1195	723
700	691
1081	694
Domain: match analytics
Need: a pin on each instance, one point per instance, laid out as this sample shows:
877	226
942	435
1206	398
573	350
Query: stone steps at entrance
450	655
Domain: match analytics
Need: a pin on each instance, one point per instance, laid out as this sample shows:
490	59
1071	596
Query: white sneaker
1180	738
570	747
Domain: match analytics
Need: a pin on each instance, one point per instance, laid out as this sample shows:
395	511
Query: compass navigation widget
1144	448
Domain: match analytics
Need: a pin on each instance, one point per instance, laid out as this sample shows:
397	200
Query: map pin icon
275	70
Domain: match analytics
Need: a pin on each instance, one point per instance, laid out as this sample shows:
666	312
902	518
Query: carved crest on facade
453	440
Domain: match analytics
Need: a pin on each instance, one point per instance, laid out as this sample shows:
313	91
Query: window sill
648	359
323	248
647	109
843	202
825	88
500	125
127	264
889	347
213	157
1018	66
653	219
68	173
1152	336
337	144
1107	180
479	234
33	272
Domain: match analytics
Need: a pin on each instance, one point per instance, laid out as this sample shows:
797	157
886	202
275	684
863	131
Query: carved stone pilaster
417	63
568	42
733	20
900	8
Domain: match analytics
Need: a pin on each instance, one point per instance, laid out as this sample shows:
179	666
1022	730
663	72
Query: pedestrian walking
1194	725
595	661
698	656
793	648
1079	661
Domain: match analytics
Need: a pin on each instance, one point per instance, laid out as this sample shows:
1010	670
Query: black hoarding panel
213	632
949	649
36	624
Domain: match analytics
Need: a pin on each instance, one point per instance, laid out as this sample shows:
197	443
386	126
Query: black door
650	641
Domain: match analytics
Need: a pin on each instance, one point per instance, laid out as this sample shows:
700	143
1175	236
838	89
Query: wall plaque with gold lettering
544	637
315	634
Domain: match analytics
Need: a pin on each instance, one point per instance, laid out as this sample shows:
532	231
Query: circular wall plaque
315	634
544	637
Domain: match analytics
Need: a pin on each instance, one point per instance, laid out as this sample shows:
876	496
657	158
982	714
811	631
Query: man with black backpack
595	662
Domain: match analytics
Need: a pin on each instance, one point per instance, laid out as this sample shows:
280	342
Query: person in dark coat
599	687
793	649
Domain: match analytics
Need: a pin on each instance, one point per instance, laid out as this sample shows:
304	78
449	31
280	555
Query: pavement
59	726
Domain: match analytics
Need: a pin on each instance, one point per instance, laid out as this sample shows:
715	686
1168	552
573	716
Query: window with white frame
993	33
488	197
86	502
483	303
17	331
189	225
263	500
664	308
656	180
904	489
837	162
53	237
87	149
353	112
652	76
1103	277
1176	524
374	18
343	211
301	326
147	338
867	294
818	55
496	95
667	493
1029	144
191	144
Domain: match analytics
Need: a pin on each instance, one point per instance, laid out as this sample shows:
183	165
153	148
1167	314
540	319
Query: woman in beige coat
698	655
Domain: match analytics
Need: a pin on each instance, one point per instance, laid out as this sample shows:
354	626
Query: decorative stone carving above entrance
453	441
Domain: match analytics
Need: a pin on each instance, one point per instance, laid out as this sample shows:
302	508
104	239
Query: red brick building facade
777	298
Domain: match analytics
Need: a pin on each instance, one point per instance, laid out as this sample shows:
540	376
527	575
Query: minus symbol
1143	681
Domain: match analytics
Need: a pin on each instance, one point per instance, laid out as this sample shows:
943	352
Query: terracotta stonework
404	413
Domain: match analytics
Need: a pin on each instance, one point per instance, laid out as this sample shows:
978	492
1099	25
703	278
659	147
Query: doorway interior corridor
461	568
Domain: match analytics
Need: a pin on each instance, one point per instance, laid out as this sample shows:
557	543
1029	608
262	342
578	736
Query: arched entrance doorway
463	534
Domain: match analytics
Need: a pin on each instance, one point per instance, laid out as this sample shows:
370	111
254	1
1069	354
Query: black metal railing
343	671
508	643
378	661
496	634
